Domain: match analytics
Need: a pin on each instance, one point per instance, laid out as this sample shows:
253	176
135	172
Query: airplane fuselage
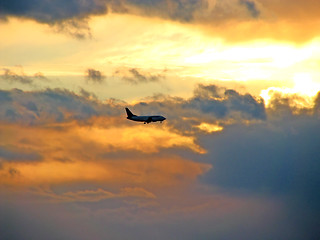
145	119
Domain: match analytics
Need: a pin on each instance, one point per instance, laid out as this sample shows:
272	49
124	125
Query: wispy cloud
13	77
17	75
135	76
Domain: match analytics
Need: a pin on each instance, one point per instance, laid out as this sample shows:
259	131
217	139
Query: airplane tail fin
129	113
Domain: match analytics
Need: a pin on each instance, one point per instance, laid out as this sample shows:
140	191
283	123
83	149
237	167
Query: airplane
145	119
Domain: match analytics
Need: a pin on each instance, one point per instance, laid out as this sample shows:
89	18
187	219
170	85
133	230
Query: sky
238	156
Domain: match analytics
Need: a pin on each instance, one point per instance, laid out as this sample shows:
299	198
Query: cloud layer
67	158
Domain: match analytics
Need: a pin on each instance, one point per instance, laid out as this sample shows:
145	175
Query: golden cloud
72	153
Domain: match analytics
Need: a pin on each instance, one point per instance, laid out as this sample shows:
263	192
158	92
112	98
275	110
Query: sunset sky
237	158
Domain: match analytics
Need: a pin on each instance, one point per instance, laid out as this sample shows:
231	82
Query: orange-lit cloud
72	152
139	138
147	172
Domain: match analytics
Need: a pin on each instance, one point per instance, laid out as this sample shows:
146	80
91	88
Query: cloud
233	20
261	171
135	76
278	158
49	106
72	17
210	104
94	76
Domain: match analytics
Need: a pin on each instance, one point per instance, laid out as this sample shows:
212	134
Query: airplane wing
149	120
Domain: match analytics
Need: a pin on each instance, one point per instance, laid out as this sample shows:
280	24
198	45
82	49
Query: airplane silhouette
145	119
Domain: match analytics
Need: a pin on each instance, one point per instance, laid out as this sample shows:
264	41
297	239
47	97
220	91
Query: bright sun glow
304	86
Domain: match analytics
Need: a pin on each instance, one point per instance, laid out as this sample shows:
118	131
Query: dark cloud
94	76
71	17
278	158
174	9
209	104
51	105
56	11
195	10
47	11
226	102
68	17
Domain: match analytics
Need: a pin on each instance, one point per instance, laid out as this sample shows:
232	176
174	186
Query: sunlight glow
304	87
304	84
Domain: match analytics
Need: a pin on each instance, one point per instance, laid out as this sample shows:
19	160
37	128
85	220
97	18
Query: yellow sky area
292	30
186	53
